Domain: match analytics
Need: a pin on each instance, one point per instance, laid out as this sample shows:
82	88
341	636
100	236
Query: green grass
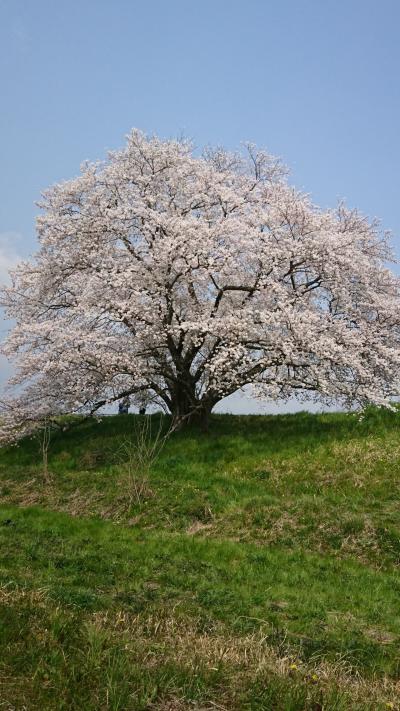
255	567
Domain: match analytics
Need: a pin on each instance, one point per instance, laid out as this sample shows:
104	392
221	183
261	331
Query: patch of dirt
197	527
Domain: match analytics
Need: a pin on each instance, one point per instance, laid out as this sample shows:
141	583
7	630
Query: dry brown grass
78	502
167	639
161	639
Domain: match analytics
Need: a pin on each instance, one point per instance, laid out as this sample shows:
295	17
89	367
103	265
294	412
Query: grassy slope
256	569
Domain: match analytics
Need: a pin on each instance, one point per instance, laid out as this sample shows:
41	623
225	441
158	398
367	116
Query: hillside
256	567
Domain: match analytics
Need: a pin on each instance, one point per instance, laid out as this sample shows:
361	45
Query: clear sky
314	81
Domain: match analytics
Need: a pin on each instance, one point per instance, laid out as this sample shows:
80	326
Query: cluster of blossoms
182	279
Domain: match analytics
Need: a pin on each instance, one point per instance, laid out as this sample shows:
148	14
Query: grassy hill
256	567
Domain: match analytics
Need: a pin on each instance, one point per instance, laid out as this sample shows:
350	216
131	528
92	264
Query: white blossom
184	278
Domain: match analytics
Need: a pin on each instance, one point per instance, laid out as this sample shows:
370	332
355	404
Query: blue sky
316	83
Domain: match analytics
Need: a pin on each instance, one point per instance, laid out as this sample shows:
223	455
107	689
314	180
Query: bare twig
138	452
44	436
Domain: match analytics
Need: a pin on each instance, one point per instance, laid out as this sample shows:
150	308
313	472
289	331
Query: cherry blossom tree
184	278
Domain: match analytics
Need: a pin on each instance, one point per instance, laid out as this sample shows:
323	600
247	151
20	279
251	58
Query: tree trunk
201	418
187	409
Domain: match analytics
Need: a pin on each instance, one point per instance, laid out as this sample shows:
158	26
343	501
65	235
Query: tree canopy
182	278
